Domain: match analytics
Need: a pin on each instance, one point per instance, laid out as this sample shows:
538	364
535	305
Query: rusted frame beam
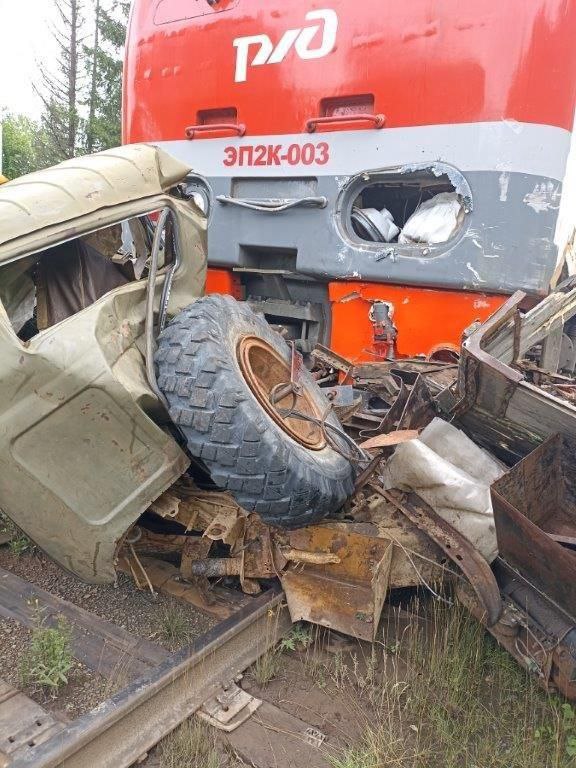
456	547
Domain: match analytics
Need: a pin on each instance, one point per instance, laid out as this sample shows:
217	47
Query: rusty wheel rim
264	370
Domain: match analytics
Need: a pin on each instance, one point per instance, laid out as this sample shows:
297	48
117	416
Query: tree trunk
93	81
73	79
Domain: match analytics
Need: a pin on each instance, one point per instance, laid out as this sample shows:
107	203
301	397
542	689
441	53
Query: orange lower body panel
223	281
425	318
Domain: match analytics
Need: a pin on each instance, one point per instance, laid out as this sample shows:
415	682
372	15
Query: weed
354	757
266	667
299	638
172	624
19	542
193	744
449	697
562	727
48	660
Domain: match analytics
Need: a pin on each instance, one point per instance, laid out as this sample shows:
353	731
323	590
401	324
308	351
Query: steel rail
125	727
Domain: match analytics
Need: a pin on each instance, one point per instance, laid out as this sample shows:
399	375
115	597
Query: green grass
266	667
192	745
450	697
172	624
48	660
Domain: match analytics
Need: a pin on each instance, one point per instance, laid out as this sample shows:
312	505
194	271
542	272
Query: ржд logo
299	39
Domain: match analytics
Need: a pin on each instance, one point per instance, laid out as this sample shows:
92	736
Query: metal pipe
149	317
217	566
167	287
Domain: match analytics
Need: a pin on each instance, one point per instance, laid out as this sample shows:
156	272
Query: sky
25	44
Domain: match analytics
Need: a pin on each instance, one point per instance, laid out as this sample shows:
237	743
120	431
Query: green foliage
266	667
20	544
193	745
449	696
60	87
298	638
48	660
81	94
104	68
172	624
364	757
562	727
268	664
22	142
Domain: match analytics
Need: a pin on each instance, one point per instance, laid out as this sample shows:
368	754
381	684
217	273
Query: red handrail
378	121
193	130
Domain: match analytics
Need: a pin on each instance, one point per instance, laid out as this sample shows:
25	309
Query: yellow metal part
347	595
336	574
346	569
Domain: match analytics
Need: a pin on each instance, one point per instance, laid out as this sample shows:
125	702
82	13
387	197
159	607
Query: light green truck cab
85	445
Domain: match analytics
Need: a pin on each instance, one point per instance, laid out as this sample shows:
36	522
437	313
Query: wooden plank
551	347
24	724
97	643
272	738
537	323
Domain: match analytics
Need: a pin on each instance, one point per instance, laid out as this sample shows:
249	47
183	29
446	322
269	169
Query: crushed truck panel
84	452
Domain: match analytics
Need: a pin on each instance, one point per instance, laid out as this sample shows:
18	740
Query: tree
21	145
104	64
60	90
95	57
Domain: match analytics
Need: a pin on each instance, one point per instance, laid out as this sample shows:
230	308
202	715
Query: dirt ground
156	618
84	691
433	690
135	610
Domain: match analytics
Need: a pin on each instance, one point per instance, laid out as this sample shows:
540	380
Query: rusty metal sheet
346	596
419	409
392	438
416	559
534	499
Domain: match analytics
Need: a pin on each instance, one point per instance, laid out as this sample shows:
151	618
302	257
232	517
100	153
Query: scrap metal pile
465	481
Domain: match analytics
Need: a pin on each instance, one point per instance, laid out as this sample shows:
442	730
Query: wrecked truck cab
85	446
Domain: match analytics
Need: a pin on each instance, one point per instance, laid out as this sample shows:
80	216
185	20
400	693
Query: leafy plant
20	544
563	729
299	638
48	659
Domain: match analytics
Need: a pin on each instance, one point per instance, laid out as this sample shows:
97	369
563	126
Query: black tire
226	427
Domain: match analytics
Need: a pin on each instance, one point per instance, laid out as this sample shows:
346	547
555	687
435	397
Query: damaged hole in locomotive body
412	205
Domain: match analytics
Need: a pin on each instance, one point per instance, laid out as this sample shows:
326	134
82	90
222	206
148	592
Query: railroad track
125	727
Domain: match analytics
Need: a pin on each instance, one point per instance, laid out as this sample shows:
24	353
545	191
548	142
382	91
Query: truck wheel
218	363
